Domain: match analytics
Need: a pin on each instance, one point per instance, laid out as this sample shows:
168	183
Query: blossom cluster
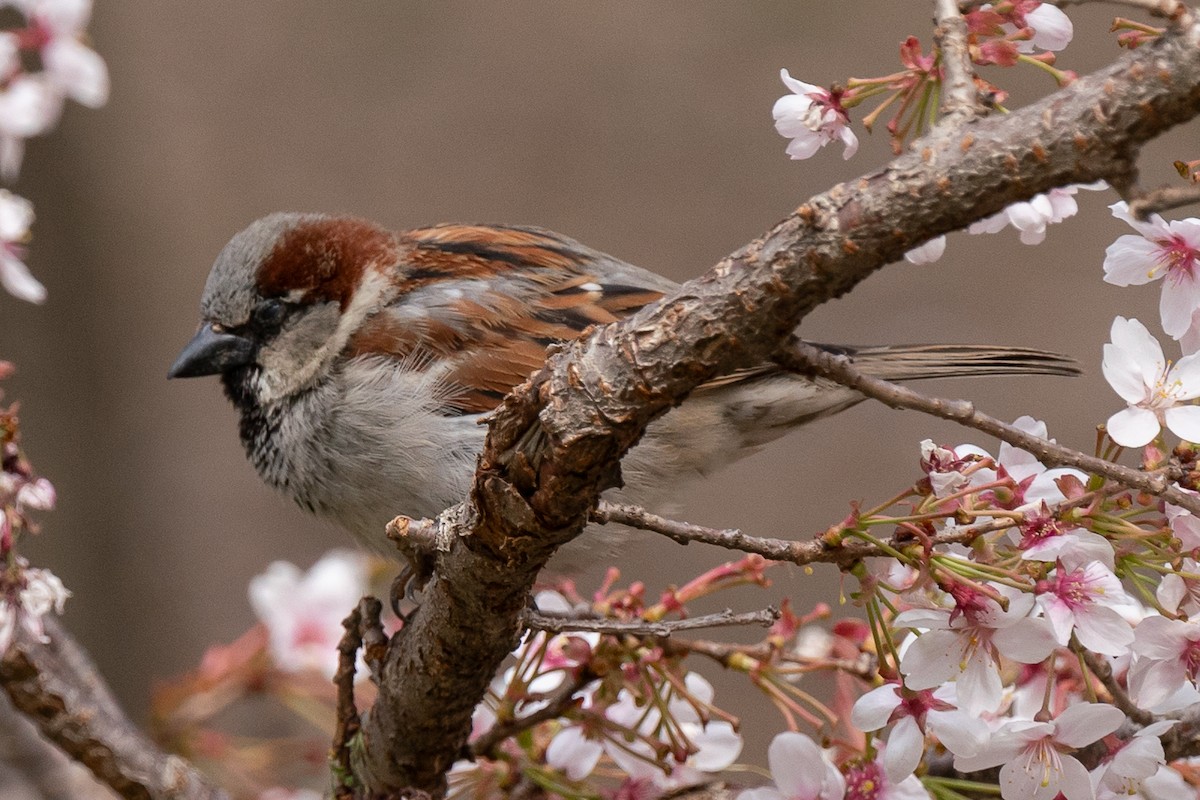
27	594
31	101
1004	34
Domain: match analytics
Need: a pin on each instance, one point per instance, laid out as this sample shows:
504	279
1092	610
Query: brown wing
488	300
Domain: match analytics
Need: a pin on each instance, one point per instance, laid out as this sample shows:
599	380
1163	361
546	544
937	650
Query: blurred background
641	129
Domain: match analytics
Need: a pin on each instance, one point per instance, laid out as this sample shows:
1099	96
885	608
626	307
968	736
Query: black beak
211	352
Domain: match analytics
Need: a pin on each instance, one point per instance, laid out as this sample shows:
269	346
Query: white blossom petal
872	711
1184	422
905	746
927	253
1081	724
1133	427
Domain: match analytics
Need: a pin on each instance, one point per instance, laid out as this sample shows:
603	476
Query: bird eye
269	314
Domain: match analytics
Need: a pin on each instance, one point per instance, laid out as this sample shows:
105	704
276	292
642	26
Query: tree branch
960	100
56	685
1164	199
562	701
557	440
1169	9
722	619
842	370
844	552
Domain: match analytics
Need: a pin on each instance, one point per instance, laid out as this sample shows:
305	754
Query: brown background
641	129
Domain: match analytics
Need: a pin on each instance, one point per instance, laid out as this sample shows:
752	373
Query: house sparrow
361	361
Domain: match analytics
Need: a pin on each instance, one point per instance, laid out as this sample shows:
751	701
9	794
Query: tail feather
917	361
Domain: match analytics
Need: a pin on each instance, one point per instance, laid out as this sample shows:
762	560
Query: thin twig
56	685
348	721
726	618
1164	199
844	552
1175	10
960	100
559	704
1120	698
806	358
727	654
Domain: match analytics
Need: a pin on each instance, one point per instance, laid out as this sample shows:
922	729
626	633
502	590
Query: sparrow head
283	299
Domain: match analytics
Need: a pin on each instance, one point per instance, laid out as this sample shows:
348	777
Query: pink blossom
1052	29
38	592
1136	760
1034	483
573	752
1169	250
16	215
717	745
1034	754
965	644
1030	217
36	495
927	253
1156	391
910	714
303	612
801	771
811	117
1081	601
945	467
868	780
29	106
1045	538
72	67
1181	591
1166	664
1184	524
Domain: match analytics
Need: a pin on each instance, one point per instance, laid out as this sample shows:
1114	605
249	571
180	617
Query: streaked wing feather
550	291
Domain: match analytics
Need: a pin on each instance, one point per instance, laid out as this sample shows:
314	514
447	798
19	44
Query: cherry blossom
1169	250
1081	601
945	468
1181	591
23	602
801	771
1030	217
16	215
1043	537
1154	389
965	644
717	744
303	612
73	68
927	253
811	117
29	107
1138	759
868	780
1034	483
1052	29
1165	784
37	495
1034	754
1166	662
574	753
1184	524
909	714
